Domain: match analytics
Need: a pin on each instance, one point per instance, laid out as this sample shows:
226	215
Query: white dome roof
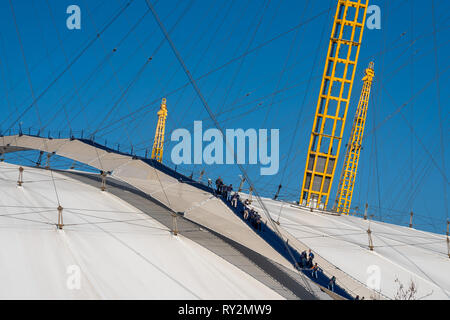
120	252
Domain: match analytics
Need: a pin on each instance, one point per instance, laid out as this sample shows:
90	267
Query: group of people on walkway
223	189
306	259
250	214
307	262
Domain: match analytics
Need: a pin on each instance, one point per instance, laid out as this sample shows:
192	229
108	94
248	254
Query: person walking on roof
314	271
332	283
234	200
304	259
245	213
218	185
310	255
310	258
258	223
229	189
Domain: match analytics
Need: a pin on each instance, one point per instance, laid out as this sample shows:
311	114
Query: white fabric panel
180	197
121	252
400	252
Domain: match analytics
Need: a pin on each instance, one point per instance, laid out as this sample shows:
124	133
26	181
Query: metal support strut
278	193
369	233
103	175
20	180
411	219
60	218
174	224
365	211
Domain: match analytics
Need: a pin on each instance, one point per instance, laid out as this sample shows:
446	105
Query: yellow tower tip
158	144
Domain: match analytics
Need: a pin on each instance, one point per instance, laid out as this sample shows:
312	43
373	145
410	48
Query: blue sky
401	166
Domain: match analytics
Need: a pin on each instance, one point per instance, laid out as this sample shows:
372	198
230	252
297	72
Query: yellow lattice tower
332	104
350	168
158	144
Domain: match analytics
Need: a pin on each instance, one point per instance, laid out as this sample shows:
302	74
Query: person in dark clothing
357	298
311	255
309	263
303	259
251	216
226	189
258	223
218	185
310	259
332	283
223	190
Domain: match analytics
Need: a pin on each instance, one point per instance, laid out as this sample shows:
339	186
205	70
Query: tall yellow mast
332	104
158	144
348	175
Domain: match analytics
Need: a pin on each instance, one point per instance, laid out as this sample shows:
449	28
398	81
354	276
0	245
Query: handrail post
365	211
411	219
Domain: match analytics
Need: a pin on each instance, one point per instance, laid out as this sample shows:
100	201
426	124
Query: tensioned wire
113	51
301	24
174	106
55	80
241	62
216	69
441	116
108	114
31	89
40	60
205	104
